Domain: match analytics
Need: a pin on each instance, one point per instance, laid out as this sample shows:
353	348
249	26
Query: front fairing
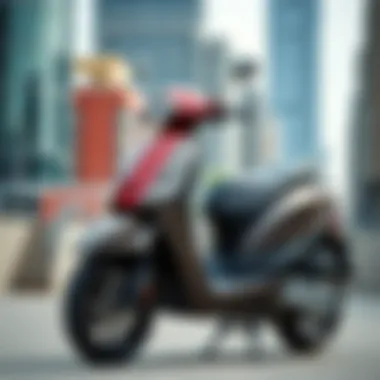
157	178
114	235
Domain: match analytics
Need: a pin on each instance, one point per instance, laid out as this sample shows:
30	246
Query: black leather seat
235	206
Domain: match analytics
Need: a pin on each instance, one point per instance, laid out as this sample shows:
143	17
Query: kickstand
211	349
252	331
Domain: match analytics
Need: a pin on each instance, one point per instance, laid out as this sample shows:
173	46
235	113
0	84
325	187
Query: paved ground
32	346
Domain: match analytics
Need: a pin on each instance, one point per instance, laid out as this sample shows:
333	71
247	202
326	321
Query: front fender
116	236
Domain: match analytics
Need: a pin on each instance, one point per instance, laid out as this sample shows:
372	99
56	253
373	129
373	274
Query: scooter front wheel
103	316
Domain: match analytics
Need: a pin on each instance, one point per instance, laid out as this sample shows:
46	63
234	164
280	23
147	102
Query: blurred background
314	98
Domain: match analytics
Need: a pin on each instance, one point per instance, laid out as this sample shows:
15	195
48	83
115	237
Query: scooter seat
248	196
236	205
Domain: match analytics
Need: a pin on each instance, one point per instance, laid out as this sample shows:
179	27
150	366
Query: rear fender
291	226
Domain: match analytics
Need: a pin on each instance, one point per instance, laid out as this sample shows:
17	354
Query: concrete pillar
365	169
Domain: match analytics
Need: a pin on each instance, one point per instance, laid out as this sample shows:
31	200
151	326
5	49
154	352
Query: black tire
298	342
76	319
289	321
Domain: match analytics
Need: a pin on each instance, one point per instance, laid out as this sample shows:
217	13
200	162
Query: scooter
279	255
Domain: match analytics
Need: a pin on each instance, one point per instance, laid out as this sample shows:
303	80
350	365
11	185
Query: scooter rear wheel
305	327
86	310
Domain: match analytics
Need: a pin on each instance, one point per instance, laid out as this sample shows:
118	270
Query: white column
341	39
84	14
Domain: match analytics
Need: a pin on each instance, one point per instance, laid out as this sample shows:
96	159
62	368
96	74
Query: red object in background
96	112
87	201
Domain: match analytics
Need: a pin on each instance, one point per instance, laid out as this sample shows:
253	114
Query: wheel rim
316	296
111	310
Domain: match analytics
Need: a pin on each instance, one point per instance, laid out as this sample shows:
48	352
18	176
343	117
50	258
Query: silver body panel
120	235
282	211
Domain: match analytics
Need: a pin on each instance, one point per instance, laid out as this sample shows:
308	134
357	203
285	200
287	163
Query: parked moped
279	253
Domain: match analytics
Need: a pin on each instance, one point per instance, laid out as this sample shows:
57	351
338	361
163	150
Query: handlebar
190	108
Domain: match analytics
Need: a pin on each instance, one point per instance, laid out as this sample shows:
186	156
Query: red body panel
188	109
133	189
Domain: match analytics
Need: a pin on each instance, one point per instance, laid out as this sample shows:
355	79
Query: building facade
213	67
293	69
35	69
159	39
